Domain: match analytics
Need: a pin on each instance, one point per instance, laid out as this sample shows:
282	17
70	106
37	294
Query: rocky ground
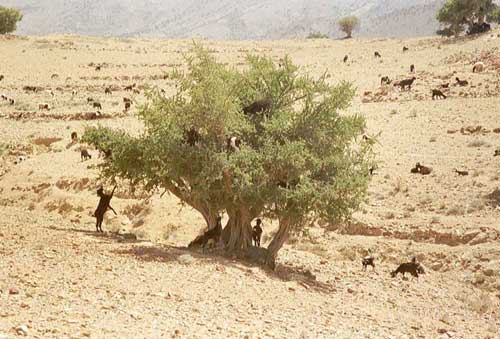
59	279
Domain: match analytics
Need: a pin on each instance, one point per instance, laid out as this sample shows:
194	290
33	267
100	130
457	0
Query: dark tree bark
237	235
278	241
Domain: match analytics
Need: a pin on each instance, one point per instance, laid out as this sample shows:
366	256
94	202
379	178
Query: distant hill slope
224	19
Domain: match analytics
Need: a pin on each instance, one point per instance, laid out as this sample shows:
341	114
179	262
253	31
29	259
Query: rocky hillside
225	19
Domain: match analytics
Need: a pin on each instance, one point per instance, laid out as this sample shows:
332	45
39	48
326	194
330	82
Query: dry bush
45	141
455	210
481	303
478	143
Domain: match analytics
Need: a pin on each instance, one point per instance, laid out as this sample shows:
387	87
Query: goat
446	85
233	144
462	173
385	80
257	232
20	159
478	67
89	100
192	137
377	54
412	267
127	106
1	77
136	91
437	94
346	58
102	207
107	90
74	136
424	170
54	76
3	97
44	106
211	234
461	82
84	154
33	89
98	68
125	100
368	261
97	105
412	68
74	92
129	88
12	101
497	153
405	83
258	106
405	48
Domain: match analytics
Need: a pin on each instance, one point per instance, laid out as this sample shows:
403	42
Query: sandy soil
59	279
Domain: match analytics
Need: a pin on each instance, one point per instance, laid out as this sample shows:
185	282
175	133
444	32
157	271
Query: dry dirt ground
59	279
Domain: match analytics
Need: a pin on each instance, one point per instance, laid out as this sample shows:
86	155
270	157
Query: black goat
102	207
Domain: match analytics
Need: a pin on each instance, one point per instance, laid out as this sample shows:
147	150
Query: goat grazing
478	67
84	154
405	49
44	106
97	105
462	173
437	94
377	54
405	83
368	261
385	80
461	82
412	267
346	58
412	68
107	90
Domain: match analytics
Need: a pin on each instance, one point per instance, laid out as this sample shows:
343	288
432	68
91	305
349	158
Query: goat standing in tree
102	207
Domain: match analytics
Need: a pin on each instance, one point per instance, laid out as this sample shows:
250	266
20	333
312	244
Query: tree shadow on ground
187	256
246	262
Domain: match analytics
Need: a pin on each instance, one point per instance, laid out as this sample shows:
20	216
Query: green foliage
302	143
8	19
317	35
494	15
456	14
348	24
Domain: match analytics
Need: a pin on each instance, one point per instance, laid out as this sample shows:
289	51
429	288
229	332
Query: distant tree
299	161
317	35
9	17
456	15
348	24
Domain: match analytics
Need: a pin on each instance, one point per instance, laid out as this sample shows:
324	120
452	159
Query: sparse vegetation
317	35
9	17
348	24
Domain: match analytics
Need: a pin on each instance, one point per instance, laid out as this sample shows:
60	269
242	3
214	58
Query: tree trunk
237	235
279	239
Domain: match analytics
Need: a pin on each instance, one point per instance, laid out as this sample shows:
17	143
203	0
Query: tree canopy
348	24
300	160
9	17
459	14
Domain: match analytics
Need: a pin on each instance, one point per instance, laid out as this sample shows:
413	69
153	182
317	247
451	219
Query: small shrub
478	143
455	210
317	35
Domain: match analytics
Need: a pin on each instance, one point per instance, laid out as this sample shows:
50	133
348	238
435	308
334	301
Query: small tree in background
459	14
494	16
300	161
9	17
348	24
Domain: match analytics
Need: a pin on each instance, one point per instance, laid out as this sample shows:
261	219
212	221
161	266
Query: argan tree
456	15
300	160
348	24
9	17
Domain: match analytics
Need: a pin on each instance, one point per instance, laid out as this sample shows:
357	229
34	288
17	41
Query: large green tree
9	17
458	14
300	159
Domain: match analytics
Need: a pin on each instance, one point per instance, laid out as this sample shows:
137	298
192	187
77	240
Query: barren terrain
59	279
